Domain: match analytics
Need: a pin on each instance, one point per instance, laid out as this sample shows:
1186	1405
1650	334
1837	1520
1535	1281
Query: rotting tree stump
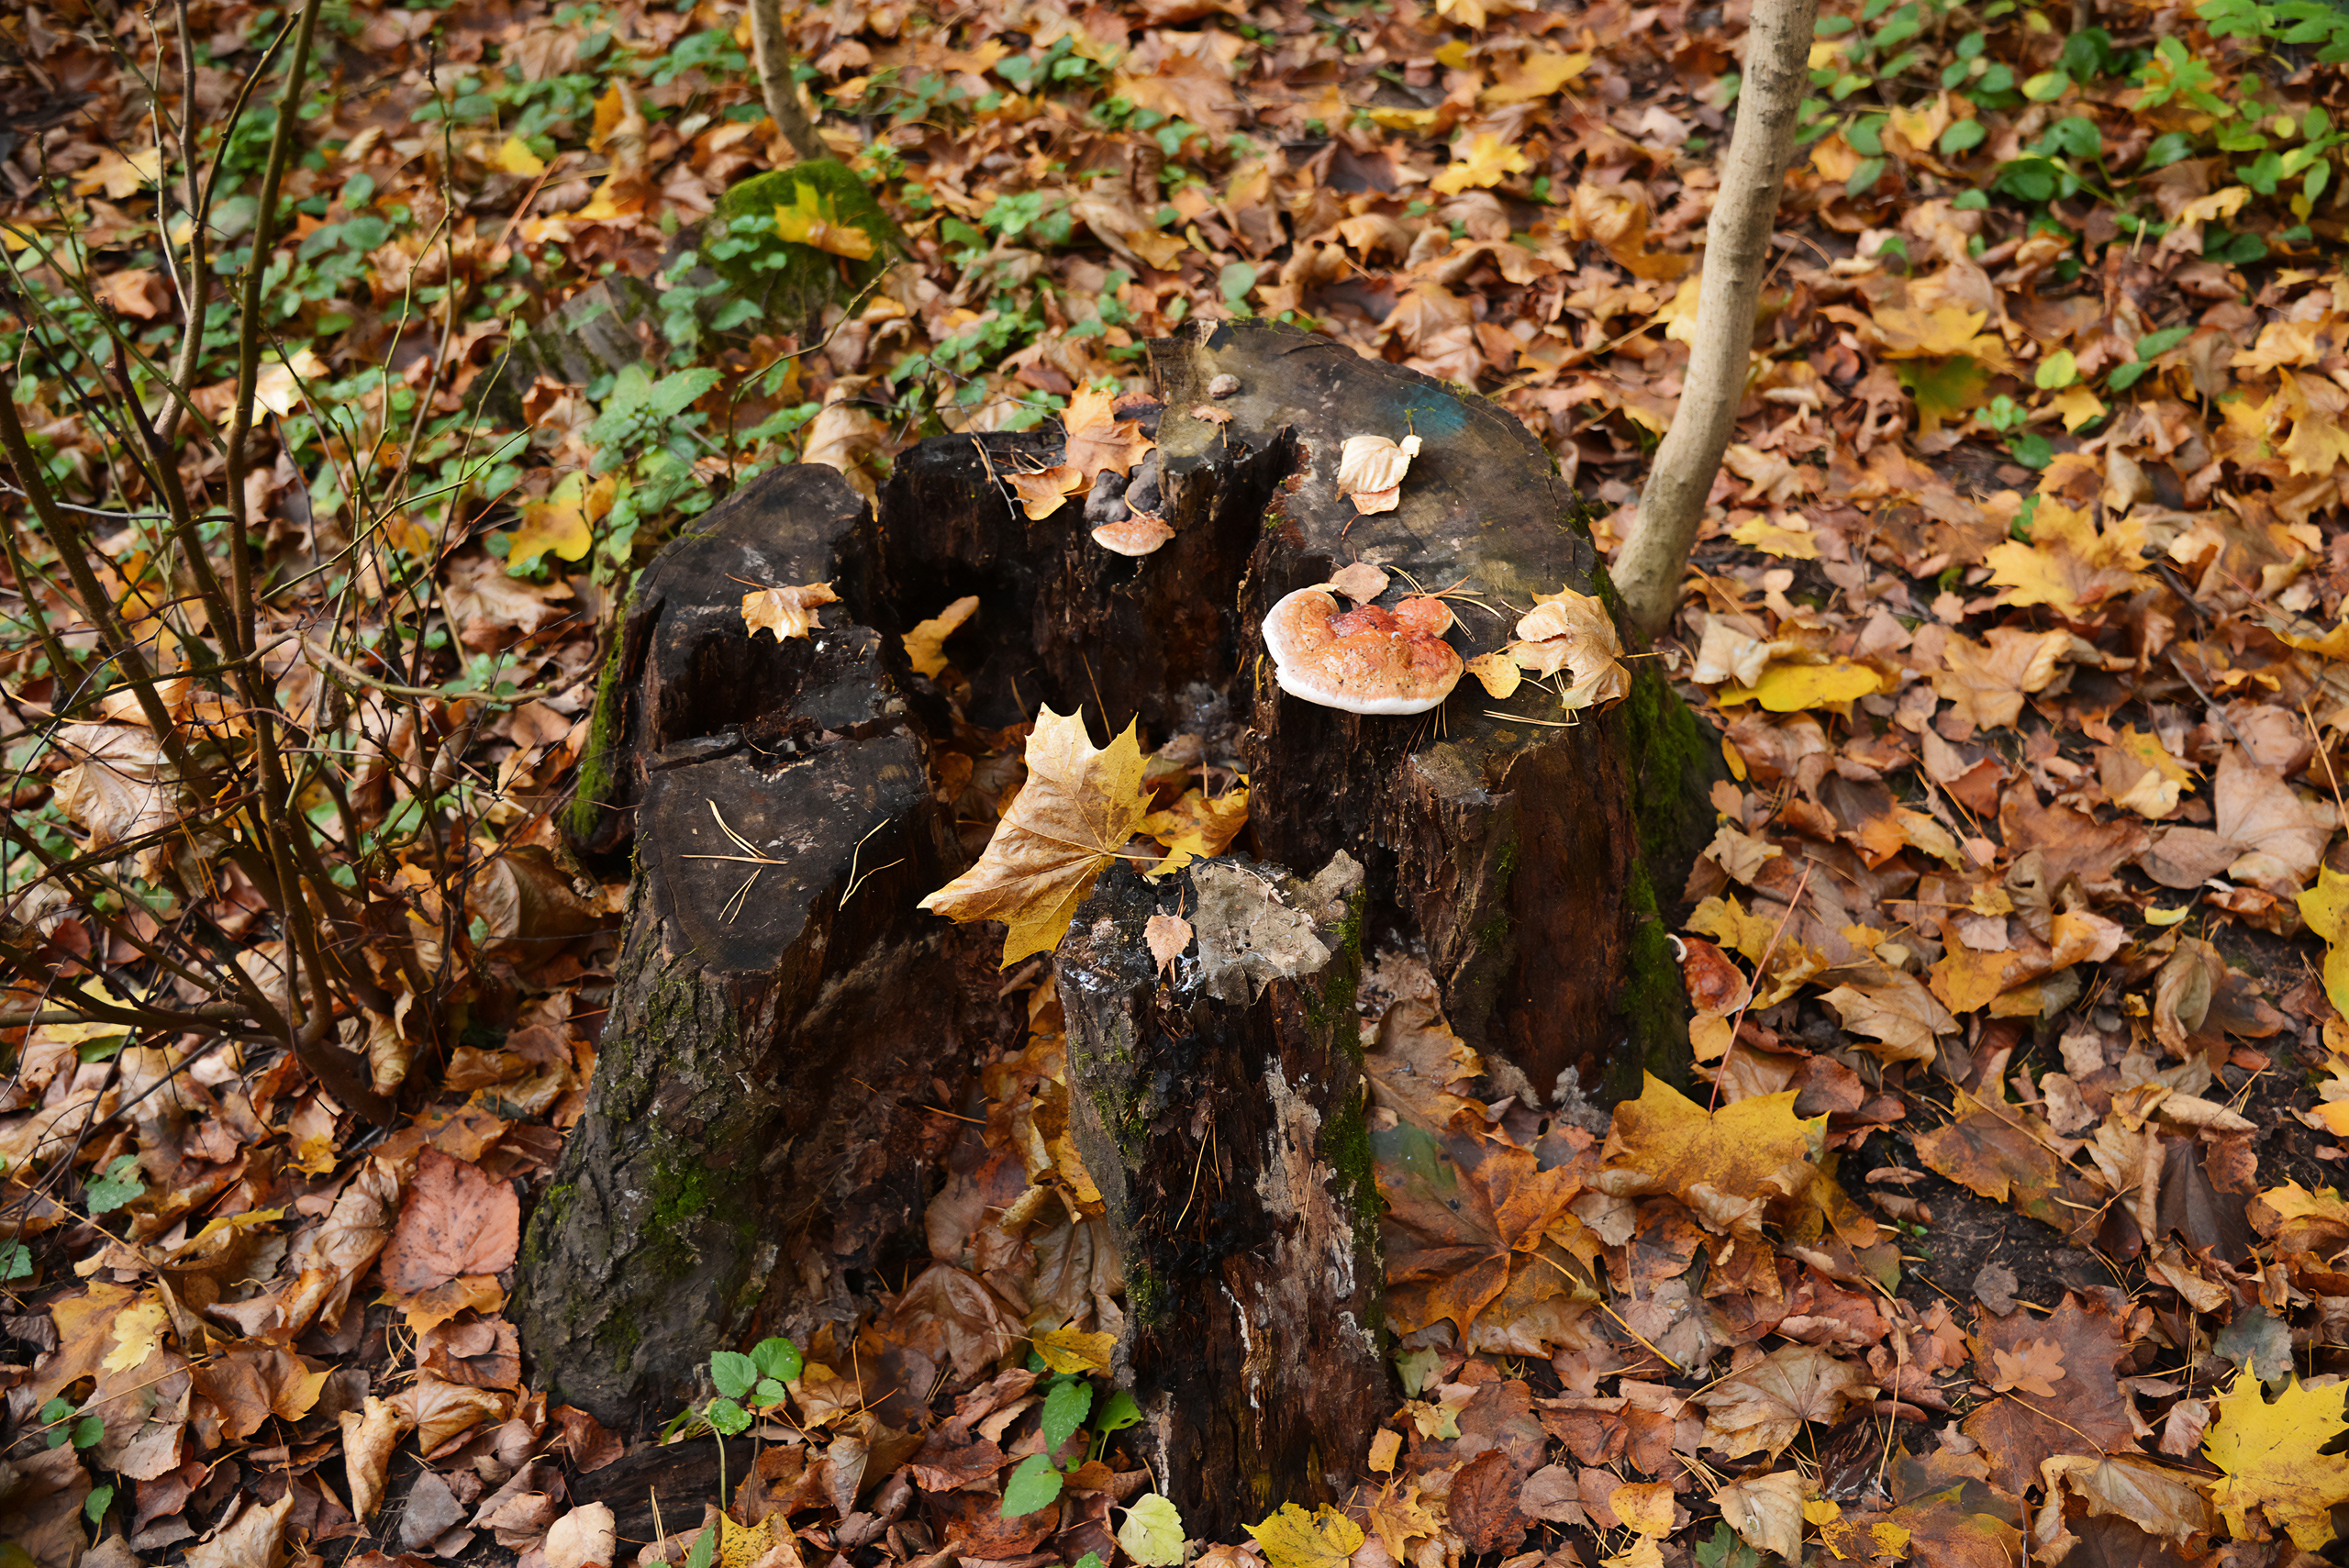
757	1152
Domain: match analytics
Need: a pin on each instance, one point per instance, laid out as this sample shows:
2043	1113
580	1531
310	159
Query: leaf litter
2020	607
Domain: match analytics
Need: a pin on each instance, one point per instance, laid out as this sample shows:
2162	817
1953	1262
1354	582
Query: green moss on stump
791	283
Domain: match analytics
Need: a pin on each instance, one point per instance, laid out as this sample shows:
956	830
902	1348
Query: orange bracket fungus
1367	659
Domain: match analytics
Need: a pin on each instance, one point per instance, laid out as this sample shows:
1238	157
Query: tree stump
757	1127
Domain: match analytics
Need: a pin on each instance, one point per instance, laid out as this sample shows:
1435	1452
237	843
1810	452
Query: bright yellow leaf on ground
2079	406
1486	160
1751	1149
565	522
1073	1349
1785	535
812	220
2324	907
1071	819
2068	565
1796	688
1295	1538
514	156
1536	76
2273	1458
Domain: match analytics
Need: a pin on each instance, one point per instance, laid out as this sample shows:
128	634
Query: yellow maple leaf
565	522
515	157
740	1545
812	220
1071	819
2068	565
1487	161
1295	1538
1536	76
2271	1454
1717	1161
1197	826
926	644
787	612
1073	1350
1098	439
1785	535
2078	405
2325	906
1042	492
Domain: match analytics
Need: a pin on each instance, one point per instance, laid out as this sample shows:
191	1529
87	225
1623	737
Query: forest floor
2004	1226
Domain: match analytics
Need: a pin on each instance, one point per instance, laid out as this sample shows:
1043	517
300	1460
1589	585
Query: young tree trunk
773	59
1737	256
760	1144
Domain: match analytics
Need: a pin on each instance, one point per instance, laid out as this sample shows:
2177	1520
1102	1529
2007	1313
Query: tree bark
1221	1115
773	59
759	1146
1737	254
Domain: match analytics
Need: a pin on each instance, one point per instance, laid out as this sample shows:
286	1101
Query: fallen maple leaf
1196	827
2003	1153
2069	565
1046	490
1725	1165
813	220
2274	1459
1764	1407
787	612
1985	682
1486	159
1767	1511
457	1231
565	522
1098	440
1070	819
2024	1426
1295	1538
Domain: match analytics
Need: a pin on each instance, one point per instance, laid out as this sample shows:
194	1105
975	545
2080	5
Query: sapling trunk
1737	253
774	62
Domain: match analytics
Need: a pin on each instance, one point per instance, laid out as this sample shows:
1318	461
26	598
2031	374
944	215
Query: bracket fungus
1367	659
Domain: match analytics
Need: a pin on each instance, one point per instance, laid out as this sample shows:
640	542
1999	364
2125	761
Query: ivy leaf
1033	1487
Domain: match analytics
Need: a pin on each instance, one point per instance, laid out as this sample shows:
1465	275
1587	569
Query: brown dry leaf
1762	1408
1070	819
1098	440
2090	1414
1766	1511
458	1228
2005	1153
2036	1368
1196	827
1044	492
926	643
1985	682
120	787
1166	936
1902	1020
788	611
1463	1232
255	1538
1482	1506
249	1384
439	1411
369	1436
2156	1499
136	291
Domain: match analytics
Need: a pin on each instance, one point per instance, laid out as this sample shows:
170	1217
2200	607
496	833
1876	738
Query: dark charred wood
760	1144
1224	1127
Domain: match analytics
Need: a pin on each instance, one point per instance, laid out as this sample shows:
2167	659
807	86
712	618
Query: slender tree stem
1737	252
774	62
